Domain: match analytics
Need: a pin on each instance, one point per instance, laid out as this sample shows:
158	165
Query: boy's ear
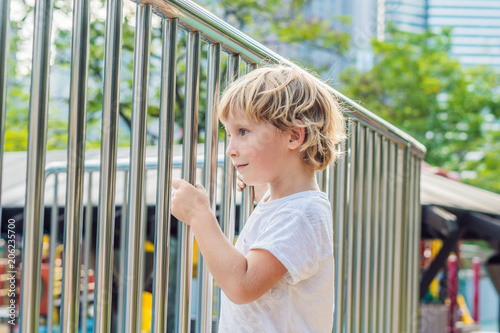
297	137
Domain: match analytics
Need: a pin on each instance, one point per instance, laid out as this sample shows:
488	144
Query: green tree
283	21
287	26
419	88
276	22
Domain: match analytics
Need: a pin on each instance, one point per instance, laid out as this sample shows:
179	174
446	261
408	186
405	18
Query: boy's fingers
177	182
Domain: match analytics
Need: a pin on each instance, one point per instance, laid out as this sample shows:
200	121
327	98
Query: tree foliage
419	88
272	21
284	25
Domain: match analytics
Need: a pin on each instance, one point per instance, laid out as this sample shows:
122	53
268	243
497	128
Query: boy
283	126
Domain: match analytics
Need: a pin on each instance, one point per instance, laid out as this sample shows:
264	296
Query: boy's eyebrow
237	124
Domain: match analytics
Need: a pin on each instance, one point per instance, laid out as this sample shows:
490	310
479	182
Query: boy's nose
231	149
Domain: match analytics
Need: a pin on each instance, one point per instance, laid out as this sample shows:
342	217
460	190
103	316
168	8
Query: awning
453	211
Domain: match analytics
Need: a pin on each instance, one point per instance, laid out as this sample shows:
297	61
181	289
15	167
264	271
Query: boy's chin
253	183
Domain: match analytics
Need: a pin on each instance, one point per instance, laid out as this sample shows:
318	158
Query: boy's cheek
265	138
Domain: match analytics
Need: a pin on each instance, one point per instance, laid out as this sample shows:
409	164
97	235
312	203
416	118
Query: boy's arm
243	279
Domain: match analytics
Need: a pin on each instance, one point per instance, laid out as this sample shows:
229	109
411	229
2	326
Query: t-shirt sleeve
291	238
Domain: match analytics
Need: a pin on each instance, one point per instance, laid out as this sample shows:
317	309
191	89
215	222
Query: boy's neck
294	182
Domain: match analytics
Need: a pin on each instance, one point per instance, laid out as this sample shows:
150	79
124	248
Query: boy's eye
243	131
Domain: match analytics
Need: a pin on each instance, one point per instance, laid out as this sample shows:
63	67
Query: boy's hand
258	190
189	201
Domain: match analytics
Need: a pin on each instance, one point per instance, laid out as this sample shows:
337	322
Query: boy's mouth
240	166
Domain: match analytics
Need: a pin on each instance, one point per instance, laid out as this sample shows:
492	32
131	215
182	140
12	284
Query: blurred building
476	25
475	33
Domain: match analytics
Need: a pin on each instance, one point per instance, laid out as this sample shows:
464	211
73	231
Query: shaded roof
435	190
447	193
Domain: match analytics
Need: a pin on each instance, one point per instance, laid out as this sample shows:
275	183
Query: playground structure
374	188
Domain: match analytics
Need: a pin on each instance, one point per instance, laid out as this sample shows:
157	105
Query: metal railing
374	188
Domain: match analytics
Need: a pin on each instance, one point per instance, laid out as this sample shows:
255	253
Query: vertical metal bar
142	244
122	250
319	179
134	253
368	218
398	240
411	244
107	174
185	273
247	202
54	231
391	174
4	51
204	322
322	177
353	147
406	260
227	206
212	122
230	175
35	178
340	231
88	241
417	237
384	227
376	252
416	246
403	259
75	173
359	269
165	161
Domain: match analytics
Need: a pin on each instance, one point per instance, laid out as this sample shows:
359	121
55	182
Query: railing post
368	244
185	266
107	175
4	51
398	240
359	267
205	283
417	236
122	249
165	157
406	244
414	247
377	230
391	194
383	286
135	252
228	204
76	155
339	192
353	147
89	217
227	215
247	201
54	231
35	178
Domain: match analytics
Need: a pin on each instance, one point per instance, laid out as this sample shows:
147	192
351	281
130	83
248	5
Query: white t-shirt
298	231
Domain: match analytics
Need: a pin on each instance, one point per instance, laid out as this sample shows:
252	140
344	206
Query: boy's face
257	150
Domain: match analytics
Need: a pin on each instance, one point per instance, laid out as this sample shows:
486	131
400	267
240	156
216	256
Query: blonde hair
290	97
